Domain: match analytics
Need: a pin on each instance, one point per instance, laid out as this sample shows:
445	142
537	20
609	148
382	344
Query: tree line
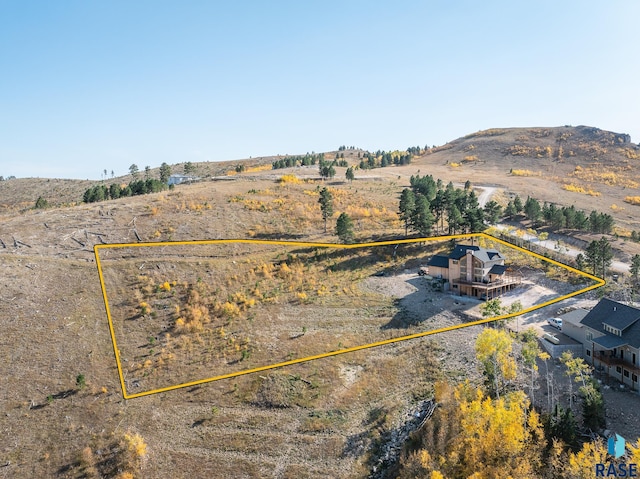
382	159
556	218
115	190
298	160
136	187
428	204
368	160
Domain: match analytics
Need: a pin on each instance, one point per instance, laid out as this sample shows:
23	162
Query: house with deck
610	334
474	271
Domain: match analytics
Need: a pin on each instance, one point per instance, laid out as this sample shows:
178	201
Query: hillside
584	166
62	405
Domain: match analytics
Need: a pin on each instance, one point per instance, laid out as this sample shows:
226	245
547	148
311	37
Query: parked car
555	322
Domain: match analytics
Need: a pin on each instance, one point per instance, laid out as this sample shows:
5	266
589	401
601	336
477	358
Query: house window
626	373
589	336
634	378
454	261
612	330
618	369
588	353
634	359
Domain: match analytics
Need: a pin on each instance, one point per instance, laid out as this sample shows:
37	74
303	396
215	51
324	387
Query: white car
555	322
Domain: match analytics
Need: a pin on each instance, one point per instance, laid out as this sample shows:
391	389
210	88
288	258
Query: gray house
179	179
610	334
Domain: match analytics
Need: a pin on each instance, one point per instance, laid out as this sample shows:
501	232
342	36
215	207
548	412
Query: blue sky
88	86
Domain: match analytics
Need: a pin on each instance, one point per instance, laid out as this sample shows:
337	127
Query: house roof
616	315
482	254
498	269
610	341
574	317
461	250
439	261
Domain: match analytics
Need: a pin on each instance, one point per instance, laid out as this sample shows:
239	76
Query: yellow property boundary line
599	282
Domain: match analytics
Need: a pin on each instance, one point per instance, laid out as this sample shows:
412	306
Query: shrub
580	189
41	203
289	179
525	173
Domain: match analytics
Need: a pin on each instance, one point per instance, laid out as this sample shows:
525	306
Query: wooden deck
489	290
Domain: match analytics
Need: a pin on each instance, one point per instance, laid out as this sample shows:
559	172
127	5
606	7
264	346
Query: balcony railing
506	281
615	361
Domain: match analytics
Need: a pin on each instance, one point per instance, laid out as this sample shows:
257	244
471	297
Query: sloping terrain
61	409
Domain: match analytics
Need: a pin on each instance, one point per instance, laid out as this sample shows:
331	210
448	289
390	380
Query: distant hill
540	147
588	165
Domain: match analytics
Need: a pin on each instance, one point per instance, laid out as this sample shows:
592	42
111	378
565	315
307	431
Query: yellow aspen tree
635	452
496	436
494	350
581	464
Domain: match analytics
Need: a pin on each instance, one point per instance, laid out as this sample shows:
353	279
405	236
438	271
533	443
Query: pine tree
492	212
344	228
326	205
133	170
165	172
349	174
635	267
189	168
592	256
517	203
532	209
422	219
606	255
407	206
455	219
510	210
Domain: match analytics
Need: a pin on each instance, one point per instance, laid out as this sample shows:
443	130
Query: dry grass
175	330
610	175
